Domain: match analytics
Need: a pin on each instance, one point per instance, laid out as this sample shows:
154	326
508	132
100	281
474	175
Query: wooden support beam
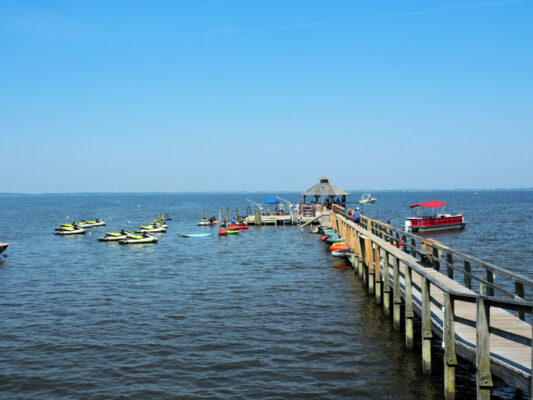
427	334
436	255
257	217
396	295
450	357
483	375
409	312
386	284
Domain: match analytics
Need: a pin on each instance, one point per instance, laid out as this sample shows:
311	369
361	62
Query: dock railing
390	260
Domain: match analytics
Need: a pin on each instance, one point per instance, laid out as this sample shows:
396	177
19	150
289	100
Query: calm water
267	314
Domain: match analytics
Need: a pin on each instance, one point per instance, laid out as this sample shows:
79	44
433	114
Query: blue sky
265	95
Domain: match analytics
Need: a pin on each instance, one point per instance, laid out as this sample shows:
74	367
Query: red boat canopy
430	204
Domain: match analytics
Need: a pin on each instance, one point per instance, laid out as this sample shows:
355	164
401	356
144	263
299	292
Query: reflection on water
264	314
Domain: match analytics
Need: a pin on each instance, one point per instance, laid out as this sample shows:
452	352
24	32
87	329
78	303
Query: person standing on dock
357	216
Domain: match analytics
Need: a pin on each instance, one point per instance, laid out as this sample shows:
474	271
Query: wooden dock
477	319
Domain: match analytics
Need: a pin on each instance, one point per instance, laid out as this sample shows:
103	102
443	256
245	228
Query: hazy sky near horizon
99	96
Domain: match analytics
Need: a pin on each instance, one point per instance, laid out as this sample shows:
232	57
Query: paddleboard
196	234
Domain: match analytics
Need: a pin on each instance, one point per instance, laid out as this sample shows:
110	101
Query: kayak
325	237
113	236
238	227
334	239
339	246
70	231
222	232
232	231
139	239
196	234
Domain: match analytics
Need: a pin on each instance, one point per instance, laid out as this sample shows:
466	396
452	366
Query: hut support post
377	274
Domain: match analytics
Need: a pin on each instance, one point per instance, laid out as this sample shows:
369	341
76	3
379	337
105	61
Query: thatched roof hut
325	189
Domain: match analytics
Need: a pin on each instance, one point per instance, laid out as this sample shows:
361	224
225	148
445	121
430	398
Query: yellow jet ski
153	228
74	230
90	224
139	239
114	236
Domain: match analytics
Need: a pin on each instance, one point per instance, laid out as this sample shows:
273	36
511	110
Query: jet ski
341	253
203	222
114	236
90	224
63	226
151	229
139	239
74	230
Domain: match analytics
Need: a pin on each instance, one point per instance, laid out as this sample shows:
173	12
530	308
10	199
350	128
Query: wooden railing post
519	293
468	278
490	279
361	267
483	375
427	334
450	357
377	274
386	284
409	312
436	255
449	270
396	294
369	251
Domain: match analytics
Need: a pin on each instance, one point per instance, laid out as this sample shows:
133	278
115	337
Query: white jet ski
90	224
139	239
151	229
75	230
114	236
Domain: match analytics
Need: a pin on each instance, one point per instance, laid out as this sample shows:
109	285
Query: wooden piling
377	274
448	338
409	312
396	294
369	252
483	374
257	217
386	284
220	216
426	327
449	270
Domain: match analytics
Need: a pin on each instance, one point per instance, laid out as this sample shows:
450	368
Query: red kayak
237	227
222	232
343	246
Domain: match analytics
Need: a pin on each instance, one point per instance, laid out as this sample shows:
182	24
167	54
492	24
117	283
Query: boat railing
477	275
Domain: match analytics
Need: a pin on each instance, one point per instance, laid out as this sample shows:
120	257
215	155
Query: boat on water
429	219
114	236
367	199
139	239
91	224
74	230
3	247
151	229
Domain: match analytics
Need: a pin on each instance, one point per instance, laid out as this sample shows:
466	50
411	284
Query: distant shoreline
12	194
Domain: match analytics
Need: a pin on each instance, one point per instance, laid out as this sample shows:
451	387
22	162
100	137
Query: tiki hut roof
324	188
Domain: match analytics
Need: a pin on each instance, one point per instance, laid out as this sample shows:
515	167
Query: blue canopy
271	201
